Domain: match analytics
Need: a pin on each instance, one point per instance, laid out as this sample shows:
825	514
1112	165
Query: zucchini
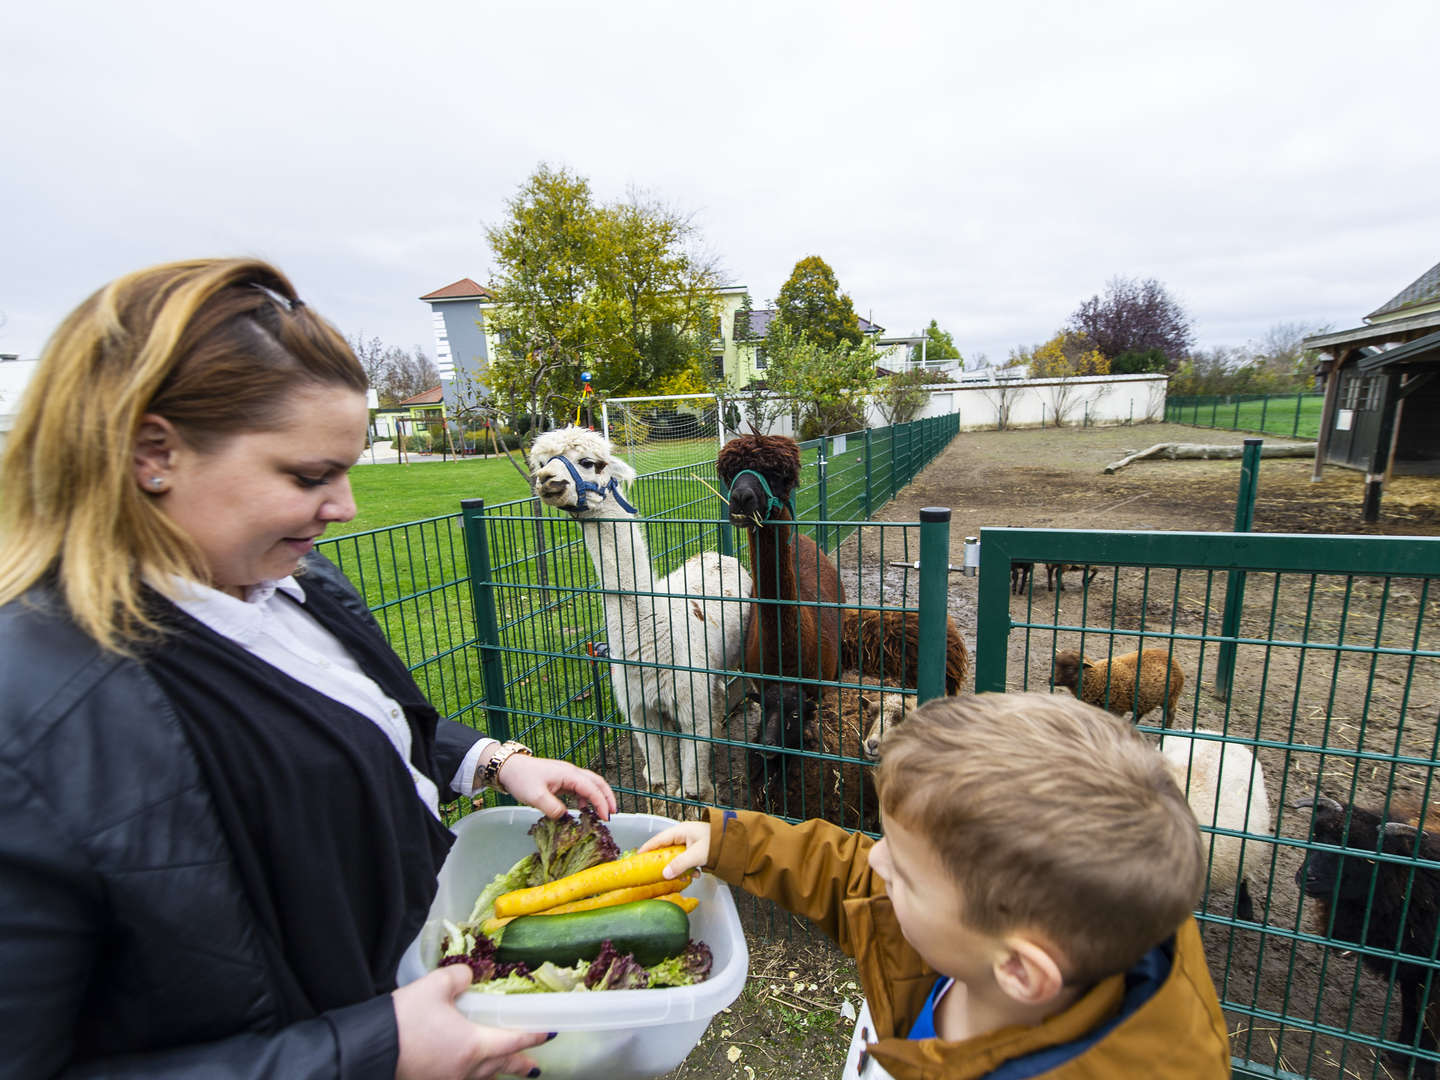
653	930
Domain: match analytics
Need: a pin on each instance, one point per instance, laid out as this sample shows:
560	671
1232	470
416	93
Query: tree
827	386
1066	355
654	297
1282	358
899	397
811	304
1140	362
622	290
545	254
1135	316
406	375
938	346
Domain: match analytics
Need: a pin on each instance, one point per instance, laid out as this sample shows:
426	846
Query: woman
219	786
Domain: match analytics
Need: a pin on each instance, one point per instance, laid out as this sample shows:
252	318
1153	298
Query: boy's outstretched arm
810	869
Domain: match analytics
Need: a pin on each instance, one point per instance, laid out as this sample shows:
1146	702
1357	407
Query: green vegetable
690	967
651	930
564	846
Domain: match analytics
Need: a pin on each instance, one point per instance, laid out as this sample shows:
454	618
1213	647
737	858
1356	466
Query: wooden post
1327	413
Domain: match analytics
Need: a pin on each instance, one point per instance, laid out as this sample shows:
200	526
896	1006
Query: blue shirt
1141	983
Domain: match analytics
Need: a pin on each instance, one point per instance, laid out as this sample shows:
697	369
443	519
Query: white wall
1100	399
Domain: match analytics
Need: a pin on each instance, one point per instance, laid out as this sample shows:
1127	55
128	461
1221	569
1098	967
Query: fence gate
1335	695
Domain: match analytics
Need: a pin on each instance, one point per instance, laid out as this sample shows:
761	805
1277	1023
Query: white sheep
1225	788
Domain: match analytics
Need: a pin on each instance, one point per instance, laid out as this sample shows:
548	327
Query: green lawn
1289	415
387	495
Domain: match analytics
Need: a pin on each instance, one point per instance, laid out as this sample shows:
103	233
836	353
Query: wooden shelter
1382	401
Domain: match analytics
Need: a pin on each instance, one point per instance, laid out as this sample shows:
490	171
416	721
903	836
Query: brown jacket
821	871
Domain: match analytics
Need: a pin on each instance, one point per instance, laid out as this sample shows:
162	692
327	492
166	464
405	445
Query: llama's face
785	711
593	462
774	457
882	712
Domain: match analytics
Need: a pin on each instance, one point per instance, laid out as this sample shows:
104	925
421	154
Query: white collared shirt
286	636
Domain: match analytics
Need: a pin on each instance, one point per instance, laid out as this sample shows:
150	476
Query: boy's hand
695	835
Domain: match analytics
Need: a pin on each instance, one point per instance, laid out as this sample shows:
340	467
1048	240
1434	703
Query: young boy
1027	913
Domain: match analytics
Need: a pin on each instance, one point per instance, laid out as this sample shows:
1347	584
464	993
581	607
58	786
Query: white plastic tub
615	1034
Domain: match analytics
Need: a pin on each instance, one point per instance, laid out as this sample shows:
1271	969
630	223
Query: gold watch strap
491	777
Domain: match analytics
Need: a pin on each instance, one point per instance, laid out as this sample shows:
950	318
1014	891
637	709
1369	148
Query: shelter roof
1423	290
432	396
1425	350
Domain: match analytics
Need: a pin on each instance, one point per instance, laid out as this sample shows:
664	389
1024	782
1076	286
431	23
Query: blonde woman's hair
215	346
1051	816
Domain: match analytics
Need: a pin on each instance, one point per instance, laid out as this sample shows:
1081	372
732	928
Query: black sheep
1342	886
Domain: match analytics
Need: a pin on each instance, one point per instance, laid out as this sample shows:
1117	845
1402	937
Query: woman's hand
438	1043
695	835
538	781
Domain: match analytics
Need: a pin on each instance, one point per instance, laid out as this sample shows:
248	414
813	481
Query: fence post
869	451
487	625
934	593
894	487
1235	580
727	535
1264	407
822	508
1295	427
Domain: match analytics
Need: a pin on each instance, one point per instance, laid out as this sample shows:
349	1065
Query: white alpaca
675	627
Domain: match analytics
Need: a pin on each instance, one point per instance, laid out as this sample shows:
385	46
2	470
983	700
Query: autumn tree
546	252
1133	317
811	304
393	373
1067	355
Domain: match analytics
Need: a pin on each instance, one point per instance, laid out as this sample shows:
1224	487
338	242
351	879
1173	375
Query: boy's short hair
1051	816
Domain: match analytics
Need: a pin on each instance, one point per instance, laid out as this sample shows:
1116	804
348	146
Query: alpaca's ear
621	470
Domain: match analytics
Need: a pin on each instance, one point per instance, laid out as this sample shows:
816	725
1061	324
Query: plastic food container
616	1034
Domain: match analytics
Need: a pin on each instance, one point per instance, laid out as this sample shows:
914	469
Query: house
738	351
463	342
1382	390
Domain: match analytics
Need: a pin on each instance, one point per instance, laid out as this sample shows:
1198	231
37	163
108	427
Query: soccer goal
654	433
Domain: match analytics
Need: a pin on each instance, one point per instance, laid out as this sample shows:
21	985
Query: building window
1350	391
1373	386
718	366
760	358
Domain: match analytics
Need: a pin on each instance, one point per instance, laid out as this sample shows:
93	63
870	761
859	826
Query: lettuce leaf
570	844
690	967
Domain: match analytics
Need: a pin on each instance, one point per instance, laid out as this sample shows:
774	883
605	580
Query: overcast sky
987	165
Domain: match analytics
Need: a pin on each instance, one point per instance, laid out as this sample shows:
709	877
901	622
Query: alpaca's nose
872	745
553	485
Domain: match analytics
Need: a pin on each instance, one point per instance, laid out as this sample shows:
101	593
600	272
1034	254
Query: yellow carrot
685	903
601	900
641	869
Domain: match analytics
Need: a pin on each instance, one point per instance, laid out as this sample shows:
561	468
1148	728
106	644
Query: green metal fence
1335	693
518	645
1294	415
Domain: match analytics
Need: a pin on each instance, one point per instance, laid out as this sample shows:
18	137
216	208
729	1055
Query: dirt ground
788	1022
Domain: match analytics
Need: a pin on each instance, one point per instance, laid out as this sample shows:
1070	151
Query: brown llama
789	638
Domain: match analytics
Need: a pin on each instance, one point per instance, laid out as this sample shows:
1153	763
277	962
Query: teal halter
772	502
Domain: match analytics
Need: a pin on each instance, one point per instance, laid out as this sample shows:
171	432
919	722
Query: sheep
883	712
1112	685
1226	790
783	781
1055	574
1380	904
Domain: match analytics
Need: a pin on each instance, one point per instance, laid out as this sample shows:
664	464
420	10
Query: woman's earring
157	483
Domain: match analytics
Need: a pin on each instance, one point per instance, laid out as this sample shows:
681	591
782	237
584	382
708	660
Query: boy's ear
1027	972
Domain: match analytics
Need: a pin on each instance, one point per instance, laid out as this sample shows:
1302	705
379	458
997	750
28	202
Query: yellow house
738	352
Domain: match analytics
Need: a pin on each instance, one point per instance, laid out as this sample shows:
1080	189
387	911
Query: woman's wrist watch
490	777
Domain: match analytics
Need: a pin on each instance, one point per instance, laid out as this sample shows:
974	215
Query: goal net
654	433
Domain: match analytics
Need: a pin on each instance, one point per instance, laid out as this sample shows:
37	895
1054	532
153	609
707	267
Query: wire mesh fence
504	622
1309	766
1294	415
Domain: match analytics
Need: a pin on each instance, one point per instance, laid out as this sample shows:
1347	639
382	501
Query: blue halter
583	486
773	502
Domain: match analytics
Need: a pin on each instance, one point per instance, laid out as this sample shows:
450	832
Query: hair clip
279	297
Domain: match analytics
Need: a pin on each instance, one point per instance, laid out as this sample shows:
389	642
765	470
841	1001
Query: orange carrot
685	903
641	869
605	899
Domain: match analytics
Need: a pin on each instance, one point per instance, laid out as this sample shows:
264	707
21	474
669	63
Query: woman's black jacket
124	918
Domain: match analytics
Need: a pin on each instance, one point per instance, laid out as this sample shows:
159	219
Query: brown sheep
1113	686
1055	574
